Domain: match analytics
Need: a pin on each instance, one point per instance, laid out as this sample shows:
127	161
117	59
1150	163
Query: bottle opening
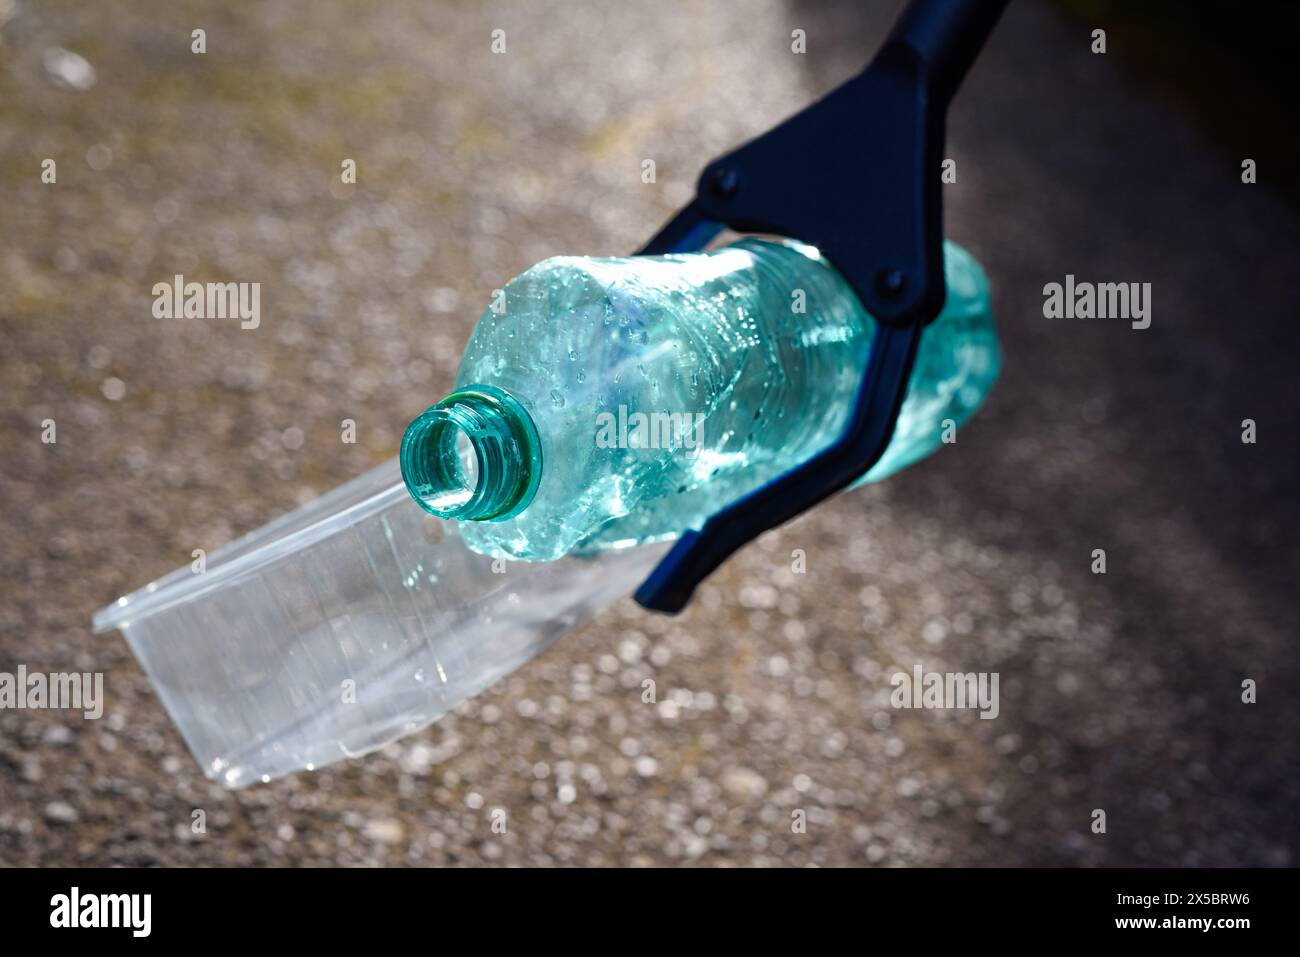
474	456
445	464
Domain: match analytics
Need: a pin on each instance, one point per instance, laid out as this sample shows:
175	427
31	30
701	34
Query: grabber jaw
856	175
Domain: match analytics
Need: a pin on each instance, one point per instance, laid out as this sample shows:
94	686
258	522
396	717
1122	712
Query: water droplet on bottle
557	400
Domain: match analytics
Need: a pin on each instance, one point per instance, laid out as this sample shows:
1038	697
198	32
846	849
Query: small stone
68	70
56	734
385	831
646	766
744	784
60	812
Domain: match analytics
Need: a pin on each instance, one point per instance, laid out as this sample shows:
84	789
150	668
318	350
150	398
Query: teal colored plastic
474	456
661	388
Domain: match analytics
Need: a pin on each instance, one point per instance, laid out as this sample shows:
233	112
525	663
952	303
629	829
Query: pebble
60	812
384	830
68	70
744	784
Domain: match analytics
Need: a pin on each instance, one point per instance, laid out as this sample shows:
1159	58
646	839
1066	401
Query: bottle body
659	389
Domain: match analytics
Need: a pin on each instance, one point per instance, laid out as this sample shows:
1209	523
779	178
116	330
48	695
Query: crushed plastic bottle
615	402
360	618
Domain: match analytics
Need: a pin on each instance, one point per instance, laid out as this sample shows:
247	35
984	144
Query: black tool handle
856	175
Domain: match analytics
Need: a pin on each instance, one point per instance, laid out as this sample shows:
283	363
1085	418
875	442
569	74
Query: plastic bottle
358	618
614	402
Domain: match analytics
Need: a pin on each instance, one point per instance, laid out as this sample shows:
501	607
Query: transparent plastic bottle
614	402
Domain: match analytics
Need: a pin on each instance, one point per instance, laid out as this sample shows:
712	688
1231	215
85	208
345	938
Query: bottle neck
475	456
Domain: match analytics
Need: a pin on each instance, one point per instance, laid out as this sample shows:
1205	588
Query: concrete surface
1119	692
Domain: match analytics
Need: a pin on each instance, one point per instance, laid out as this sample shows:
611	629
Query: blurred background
1119	691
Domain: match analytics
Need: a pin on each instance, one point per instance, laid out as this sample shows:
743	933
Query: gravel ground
1119	691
